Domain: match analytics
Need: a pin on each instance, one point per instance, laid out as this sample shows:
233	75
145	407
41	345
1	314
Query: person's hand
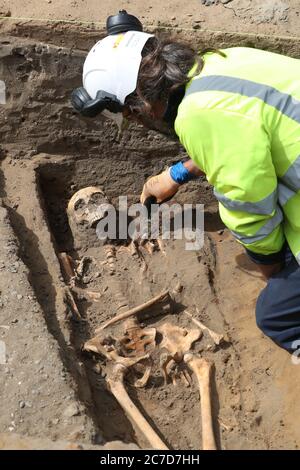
161	186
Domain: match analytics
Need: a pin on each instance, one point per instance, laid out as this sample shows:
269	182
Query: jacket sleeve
235	153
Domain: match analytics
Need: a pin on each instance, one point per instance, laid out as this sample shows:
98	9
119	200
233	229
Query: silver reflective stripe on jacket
283	102
292	177
264	231
284	194
264	207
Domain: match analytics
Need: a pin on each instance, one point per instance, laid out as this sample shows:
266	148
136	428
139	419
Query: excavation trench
55	153
129	285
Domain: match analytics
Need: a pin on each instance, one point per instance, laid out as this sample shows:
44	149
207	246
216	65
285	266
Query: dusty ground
50	390
267	17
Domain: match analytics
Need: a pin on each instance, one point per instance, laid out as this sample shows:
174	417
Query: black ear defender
122	22
88	107
80	99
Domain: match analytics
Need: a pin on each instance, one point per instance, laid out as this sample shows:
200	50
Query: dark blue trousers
278	306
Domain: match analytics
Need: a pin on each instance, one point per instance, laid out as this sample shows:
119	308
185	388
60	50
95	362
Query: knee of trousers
262	314
265	316
270	323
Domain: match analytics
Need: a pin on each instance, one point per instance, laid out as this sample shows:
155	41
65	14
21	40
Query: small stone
258	420
22	404
178	288
6	13
19	296
208	3
14	267
71	410
226	357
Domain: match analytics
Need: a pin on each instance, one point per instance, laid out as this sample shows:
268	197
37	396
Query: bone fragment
161	246
69	299
216	337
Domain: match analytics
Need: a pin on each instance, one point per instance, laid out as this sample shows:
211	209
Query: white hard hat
112	65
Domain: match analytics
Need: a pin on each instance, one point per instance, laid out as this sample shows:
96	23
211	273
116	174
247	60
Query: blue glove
180	174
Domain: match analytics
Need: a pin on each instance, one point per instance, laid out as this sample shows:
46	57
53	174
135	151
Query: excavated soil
48	152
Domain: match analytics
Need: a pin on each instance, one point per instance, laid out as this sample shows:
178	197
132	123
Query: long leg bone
216	337
203	370
117	388
133	311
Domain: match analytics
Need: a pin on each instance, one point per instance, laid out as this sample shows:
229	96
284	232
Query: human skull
86	208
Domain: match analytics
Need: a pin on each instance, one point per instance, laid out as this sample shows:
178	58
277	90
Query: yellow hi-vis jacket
240	122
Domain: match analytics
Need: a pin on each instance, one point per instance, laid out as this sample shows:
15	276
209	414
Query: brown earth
51	390
280	17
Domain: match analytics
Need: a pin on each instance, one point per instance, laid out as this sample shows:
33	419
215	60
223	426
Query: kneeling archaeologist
236	111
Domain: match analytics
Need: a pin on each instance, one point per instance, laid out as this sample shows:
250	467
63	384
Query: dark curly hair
164	69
